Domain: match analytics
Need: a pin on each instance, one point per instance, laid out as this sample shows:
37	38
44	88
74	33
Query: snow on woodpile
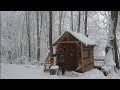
109	67
98	63
84	39
54	67
99	58
109	59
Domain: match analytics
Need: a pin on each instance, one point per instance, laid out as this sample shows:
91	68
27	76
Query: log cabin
78	51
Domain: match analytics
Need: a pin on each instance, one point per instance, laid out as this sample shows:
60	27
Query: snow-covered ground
12	71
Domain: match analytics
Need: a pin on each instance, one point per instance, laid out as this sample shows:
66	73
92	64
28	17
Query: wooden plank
89	67
78	44
86	58
87	49
68	42
81	57
87	64
67	36
85	53
57	52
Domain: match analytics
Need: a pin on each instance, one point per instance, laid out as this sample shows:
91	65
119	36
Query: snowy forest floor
12	71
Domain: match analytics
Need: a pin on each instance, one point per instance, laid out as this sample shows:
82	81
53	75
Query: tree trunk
60	21
28	32
0	26
64	19
0	33
0	23
86	23
38	35
72	21
114	17
50	32
79	17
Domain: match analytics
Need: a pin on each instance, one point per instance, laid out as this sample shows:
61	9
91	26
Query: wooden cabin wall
67	37
85	55
88	58
79	55
63	38
57	52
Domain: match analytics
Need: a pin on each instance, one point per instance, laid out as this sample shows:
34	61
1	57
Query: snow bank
109	59
93	74
12	71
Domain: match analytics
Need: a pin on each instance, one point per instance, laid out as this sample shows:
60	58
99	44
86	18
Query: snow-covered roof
84	39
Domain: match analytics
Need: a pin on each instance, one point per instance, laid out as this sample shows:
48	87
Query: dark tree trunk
38	35
0	24
28	31
0	30
86	22
79	17
50	32
114	16
60	21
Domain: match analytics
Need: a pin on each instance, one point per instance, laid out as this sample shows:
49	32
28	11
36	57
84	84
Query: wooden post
67	37
82	57
57	52
78	44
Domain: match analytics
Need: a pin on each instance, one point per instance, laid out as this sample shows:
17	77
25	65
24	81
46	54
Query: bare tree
72	21
0	32
64	18
0	21
111	58
38	35
28	31
114	17
50	32
60	21
79	19
86	22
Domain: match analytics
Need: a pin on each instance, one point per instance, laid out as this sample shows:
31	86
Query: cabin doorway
70	55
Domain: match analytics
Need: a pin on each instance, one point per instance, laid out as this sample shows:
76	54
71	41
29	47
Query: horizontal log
86	49
69	42
85	55
86	58
88	67
87	64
